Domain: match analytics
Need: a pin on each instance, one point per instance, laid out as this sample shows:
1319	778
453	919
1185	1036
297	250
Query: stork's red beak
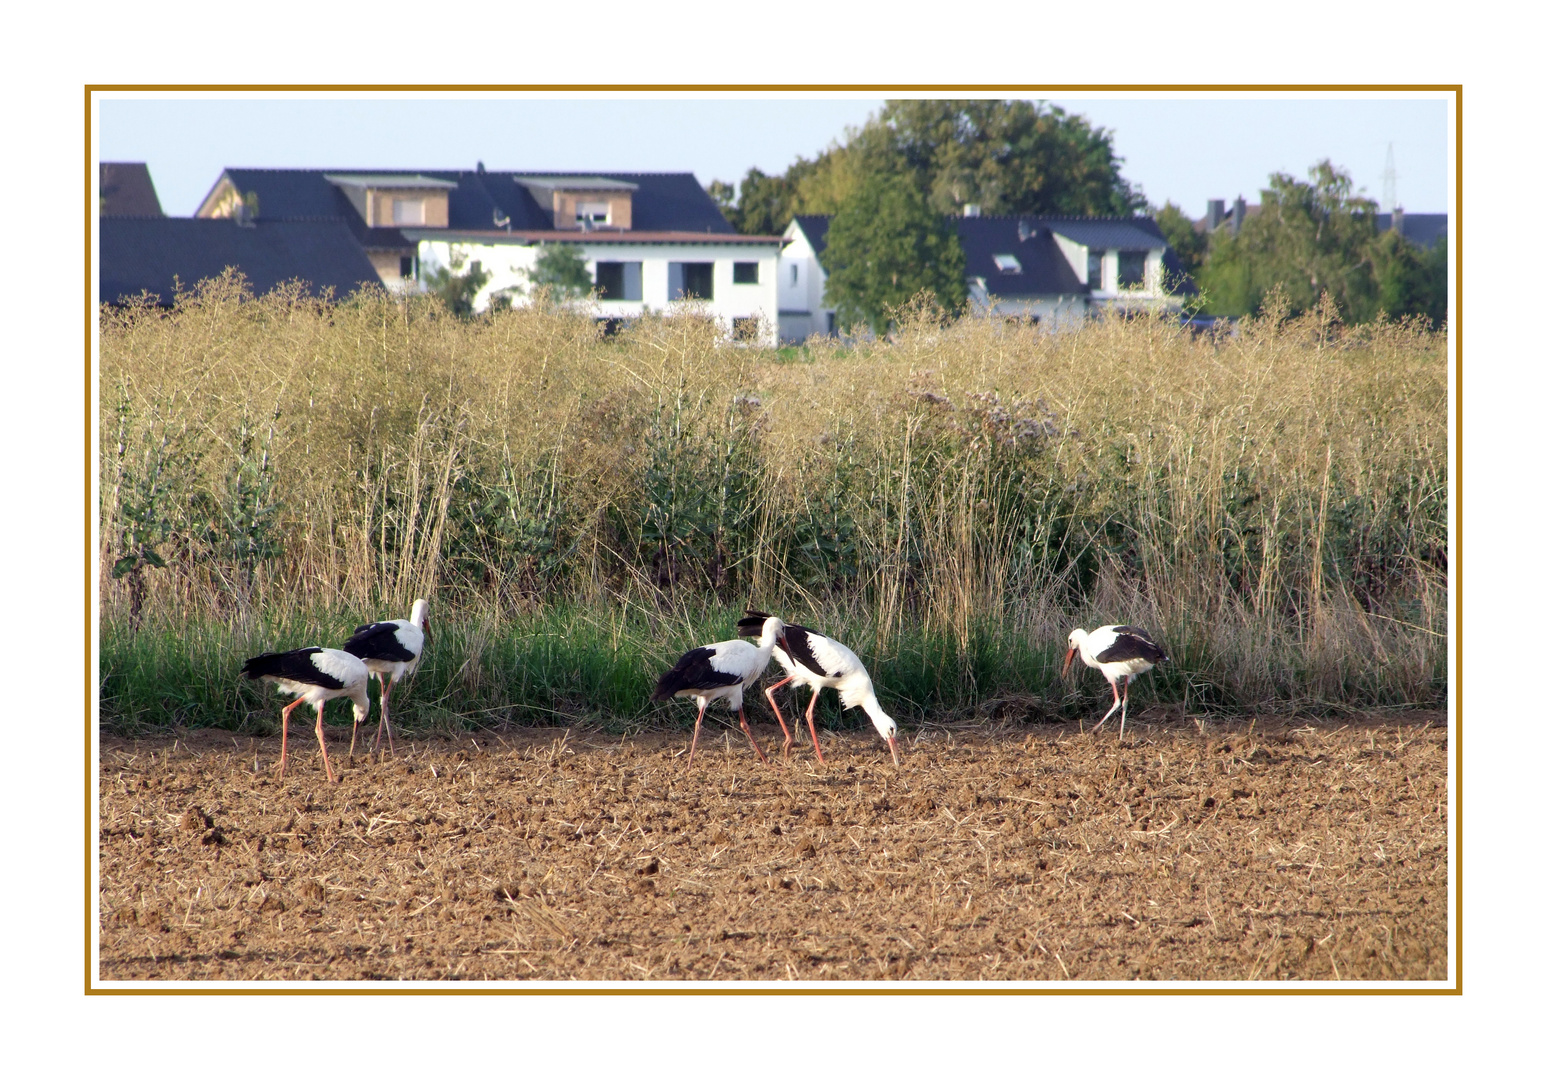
891	740
1068	659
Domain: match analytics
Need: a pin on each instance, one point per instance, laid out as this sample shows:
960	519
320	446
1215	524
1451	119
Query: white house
1048	269
802	281
730	277
649	239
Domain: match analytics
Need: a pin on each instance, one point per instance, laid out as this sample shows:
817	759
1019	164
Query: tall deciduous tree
1008	157
1309	238
1317	236
884	246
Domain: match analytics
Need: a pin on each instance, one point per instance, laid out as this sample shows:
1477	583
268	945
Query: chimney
972	209
1216	214
1396	221
1238	215
1024	230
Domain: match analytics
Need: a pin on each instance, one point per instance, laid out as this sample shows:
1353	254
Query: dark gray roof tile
126	190
146	254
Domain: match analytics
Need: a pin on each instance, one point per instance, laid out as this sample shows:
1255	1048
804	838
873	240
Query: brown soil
1262	850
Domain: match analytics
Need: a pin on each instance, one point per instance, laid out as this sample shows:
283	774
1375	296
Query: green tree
724	196
767	203
884	246
560	273
455	288
1309	238
1008	157
1188	243
1410	280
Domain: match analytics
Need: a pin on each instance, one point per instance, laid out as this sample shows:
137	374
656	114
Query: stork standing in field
316	676
1121	653
721	671
815	660
390	650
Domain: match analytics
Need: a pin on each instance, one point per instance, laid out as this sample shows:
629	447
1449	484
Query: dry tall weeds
1272	501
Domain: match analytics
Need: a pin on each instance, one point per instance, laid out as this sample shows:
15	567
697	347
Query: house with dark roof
124	189
1055	270
1424	230
160	255
648	239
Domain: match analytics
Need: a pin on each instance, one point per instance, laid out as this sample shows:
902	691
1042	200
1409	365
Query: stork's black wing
1132	644
295	666
798	639
378	641
692	672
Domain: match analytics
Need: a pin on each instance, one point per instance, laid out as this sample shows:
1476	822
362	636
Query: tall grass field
1270	502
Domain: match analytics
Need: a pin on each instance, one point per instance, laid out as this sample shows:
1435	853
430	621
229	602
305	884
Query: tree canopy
884	246
1317	236
1007	157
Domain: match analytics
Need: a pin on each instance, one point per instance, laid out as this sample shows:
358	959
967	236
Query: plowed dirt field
1260	849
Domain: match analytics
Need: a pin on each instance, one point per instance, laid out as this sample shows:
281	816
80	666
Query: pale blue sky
1183	150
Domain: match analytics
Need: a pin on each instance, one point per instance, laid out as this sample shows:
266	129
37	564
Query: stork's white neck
772	628
417	616
883	723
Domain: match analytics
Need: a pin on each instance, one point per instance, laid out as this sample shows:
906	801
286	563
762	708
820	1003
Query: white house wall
801	311
508	266
1051	312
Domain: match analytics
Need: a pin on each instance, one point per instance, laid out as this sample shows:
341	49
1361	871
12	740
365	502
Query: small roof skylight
1008	264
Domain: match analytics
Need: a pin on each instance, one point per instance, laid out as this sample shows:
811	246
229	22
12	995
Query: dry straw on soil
1265	851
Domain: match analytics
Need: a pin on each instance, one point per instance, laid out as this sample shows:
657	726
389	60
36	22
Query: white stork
317	676
721	670
390	650
816	660
1121	653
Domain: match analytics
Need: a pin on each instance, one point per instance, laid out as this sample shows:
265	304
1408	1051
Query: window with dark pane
744	273
1130	269
618	281
690	279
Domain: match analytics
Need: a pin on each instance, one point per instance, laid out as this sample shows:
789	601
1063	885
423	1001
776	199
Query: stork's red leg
1123	723
386	688
744	727
284	734
696	725
1116	701
816	692
789	739
322	742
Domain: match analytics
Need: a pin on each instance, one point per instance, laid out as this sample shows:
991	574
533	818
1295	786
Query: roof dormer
394	201
584	202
